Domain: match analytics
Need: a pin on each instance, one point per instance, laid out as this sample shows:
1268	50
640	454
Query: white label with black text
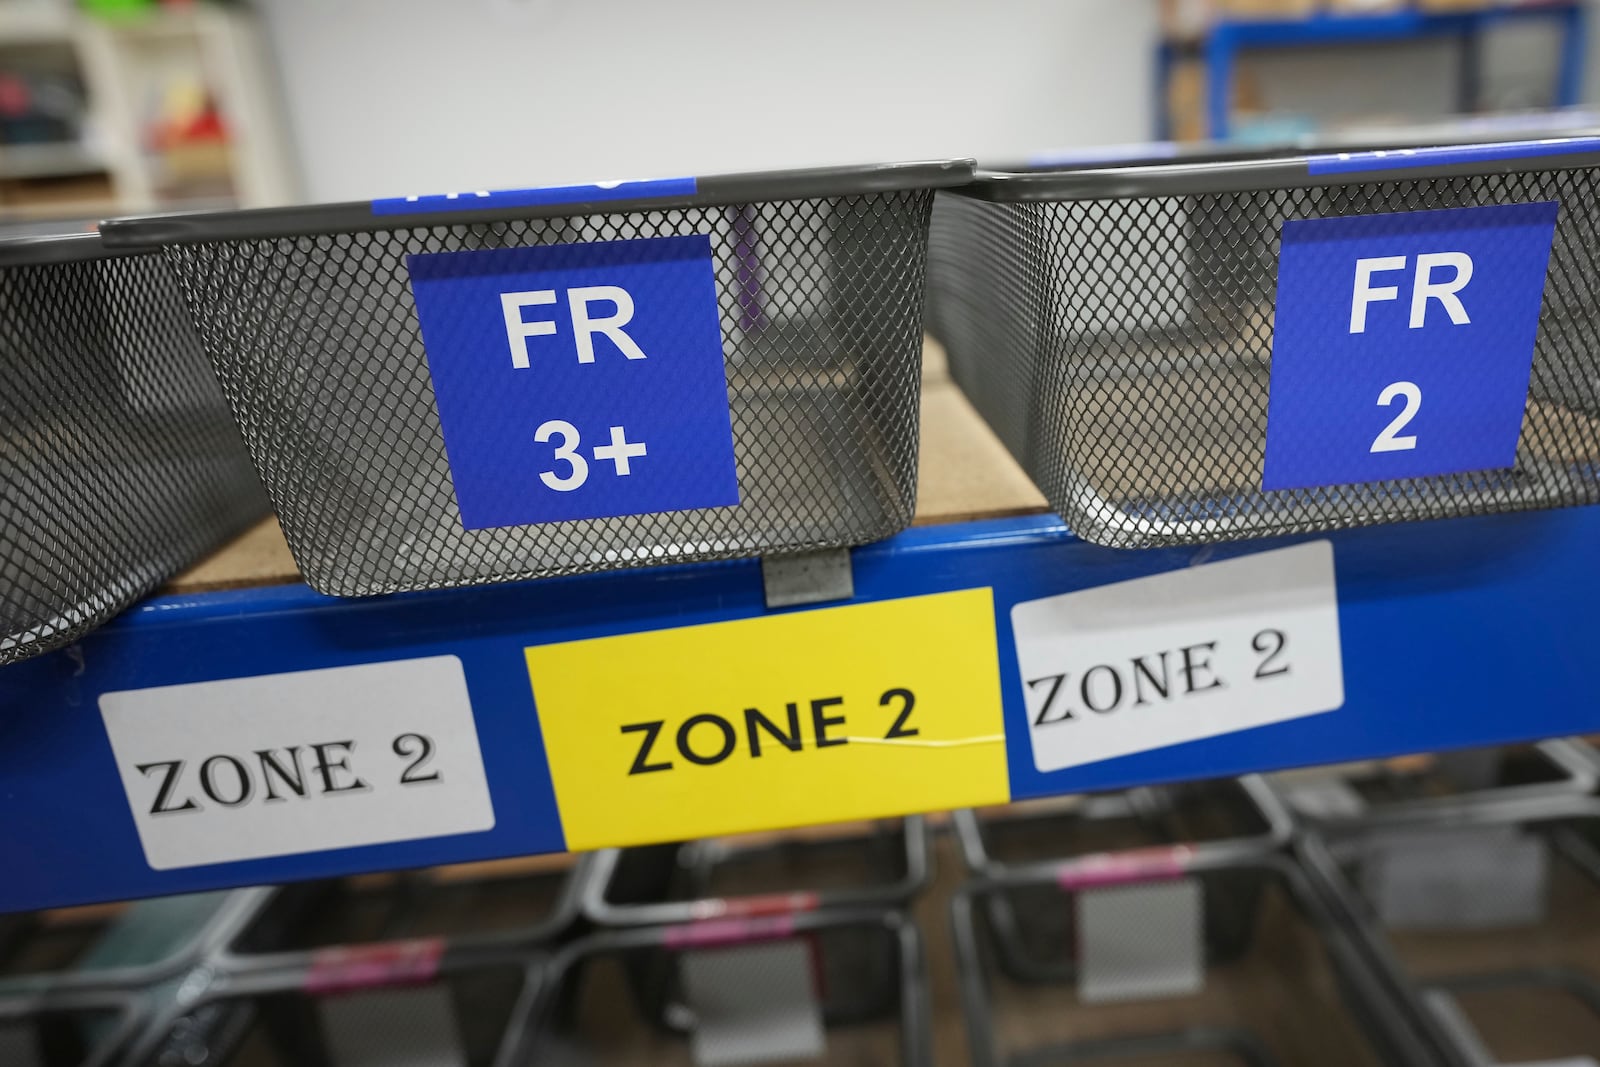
1176	657
300	762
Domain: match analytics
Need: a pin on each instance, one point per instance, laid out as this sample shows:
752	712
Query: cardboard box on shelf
1265	9
1187	19
1365	7
1186	97
1186	100
1184	19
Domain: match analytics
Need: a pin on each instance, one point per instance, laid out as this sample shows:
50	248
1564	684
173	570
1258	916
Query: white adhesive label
1457	878
301	762
1141	941
1176	657
753	1004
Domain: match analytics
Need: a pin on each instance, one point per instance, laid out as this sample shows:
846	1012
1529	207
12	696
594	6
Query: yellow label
852	712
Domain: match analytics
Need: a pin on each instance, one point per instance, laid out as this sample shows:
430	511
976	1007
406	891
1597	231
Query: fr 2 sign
1403	343
578	381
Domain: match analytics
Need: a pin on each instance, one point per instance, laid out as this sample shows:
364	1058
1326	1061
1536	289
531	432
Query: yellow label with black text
851	712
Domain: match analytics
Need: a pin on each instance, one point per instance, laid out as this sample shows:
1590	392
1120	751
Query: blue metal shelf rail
1223	42
1453	634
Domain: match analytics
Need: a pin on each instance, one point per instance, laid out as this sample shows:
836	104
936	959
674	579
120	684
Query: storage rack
1222	43
1446	598
1435	650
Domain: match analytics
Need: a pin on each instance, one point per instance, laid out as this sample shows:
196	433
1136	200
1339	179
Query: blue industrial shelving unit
187	746
1224	42
1455	633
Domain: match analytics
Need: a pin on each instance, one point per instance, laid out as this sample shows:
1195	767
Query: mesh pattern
1122	350
118	462
317	344
1274	993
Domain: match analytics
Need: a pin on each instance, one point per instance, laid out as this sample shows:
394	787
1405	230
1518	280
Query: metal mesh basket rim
1243	172
730	190
56	248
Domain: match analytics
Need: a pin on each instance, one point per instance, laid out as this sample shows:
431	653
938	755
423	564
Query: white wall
391	97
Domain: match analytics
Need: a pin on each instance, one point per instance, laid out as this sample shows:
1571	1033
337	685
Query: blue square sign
1402	343
578	381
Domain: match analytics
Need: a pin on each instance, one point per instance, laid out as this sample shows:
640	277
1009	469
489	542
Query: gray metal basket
1439	785
387	1002
1207	822
311	319
1282	982
1115	326
1236	816
622	996
67	1028
519	903
1478	958
119	465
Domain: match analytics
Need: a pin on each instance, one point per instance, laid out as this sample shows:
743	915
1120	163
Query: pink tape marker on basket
752	907
346	968
1101	869
728	931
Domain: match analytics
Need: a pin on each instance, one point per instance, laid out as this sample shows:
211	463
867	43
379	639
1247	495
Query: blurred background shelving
116	108
125	106
1257	70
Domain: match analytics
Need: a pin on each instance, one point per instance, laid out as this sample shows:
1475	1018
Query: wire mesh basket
1437	784
878	863
729	990
108	946
523	902
1231	814
119	464
1161	825
1586	747
73	1029
1256	980
1122	329
383	1003
769	876
311	317
1490	924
